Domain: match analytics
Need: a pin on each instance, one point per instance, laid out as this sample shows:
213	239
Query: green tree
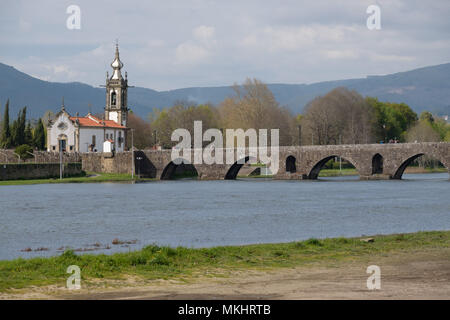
24	151
5	141
426	116
18	128
28	134
441	127
447	136
391	120
39	136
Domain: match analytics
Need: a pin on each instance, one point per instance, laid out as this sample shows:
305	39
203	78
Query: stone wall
8	156
107	162
23	171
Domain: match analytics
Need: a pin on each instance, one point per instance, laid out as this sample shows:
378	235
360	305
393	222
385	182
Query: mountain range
425	88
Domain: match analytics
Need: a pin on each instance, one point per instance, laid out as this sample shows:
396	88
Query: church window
113	98
93	140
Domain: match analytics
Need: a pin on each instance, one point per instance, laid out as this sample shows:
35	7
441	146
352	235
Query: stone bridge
372	161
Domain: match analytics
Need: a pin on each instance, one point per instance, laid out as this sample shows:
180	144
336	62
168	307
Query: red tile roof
91	121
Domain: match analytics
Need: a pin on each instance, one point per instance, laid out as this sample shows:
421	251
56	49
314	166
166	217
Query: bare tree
422	132
254	106
341	116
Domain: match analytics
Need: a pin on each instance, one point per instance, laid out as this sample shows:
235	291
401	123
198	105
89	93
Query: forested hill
426	88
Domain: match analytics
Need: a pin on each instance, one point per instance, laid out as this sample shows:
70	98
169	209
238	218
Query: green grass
89	178
337	172
153	262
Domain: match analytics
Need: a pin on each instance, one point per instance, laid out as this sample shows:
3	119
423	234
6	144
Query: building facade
90	133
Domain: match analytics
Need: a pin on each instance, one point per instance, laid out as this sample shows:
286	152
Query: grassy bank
153	262
337	172
89	178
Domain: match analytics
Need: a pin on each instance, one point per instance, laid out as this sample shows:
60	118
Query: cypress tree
5	141
18	128
14	133
39	136
28	134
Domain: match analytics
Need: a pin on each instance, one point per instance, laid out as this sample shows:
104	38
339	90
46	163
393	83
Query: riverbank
353	172
90	177
154	265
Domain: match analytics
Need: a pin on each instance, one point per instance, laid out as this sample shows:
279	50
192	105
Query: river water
211	213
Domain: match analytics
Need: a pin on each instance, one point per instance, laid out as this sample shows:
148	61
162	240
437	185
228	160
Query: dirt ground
424	275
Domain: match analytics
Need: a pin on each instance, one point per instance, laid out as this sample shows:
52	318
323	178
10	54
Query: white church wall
86	138
100	135
58	129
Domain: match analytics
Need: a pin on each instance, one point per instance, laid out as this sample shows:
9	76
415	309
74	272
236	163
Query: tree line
21	133
341	116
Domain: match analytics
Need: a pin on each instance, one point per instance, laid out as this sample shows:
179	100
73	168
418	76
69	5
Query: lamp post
299	135
340	158
132	154
60	161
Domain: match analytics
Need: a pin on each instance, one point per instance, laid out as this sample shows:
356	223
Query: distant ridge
426	88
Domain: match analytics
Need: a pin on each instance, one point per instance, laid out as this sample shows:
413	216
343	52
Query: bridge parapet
386	161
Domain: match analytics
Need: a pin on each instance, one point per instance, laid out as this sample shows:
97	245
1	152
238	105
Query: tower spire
116	64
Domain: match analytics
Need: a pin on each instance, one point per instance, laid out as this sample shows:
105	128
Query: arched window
377	164
290	164
113	98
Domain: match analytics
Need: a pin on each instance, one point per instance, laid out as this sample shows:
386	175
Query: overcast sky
174	44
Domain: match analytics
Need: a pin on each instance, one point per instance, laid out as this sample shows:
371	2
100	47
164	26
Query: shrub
314	242
24	151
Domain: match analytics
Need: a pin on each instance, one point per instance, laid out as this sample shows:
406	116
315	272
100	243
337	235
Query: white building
90	133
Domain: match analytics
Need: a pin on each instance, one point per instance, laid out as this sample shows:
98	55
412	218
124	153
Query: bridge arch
234	169
401	169
314	172
290	164
377	164
173	171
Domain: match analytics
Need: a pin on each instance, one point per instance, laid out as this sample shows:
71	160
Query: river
210	213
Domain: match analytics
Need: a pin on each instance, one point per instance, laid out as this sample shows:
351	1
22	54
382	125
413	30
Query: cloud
204	33
340	54
283	38
196	50
167	45
189	53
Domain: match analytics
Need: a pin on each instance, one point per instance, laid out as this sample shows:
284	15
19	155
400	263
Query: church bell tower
116	108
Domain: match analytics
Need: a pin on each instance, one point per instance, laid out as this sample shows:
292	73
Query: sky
190	43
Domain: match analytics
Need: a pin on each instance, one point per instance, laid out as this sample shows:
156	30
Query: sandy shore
422	275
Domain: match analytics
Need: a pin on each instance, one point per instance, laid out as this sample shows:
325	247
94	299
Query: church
90	133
